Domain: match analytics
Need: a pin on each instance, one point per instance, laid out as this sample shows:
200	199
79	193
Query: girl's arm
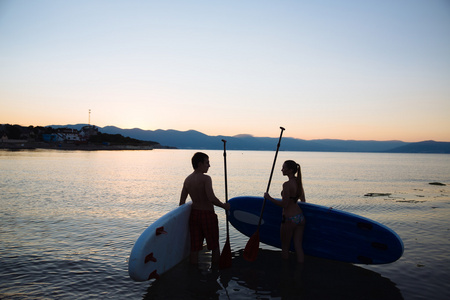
284	202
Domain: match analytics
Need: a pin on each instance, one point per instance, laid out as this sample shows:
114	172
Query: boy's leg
196	236
193	258
212	237
215	257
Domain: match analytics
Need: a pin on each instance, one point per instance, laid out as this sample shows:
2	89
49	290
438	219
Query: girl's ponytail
295	167
300	190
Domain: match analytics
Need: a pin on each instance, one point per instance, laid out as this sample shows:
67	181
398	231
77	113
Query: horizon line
237	135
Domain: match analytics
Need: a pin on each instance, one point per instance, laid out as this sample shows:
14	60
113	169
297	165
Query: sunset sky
348	69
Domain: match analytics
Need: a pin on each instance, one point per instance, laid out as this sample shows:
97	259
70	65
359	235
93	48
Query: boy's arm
210	194
183	196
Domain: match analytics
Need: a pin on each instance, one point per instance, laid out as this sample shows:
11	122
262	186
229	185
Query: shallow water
68	221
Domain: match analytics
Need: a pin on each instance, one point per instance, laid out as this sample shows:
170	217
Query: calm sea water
68	221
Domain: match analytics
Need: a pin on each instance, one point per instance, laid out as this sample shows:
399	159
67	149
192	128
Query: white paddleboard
162	245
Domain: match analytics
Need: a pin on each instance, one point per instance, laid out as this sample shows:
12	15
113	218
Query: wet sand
271	277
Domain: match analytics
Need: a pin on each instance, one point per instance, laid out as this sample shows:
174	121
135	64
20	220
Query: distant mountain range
192	139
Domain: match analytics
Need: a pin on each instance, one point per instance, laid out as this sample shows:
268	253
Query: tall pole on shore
89	118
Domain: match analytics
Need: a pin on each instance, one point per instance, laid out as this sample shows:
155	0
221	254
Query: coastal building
69	135
88	131
51	137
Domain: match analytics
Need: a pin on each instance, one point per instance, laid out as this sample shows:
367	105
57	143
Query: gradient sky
347	69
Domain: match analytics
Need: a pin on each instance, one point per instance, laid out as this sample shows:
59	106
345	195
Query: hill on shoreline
193	139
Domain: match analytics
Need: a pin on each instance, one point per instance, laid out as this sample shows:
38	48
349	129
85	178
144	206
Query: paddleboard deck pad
329	233
164	244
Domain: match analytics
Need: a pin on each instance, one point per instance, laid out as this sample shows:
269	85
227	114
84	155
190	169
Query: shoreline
74	147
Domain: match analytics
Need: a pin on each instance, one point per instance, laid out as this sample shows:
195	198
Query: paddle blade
225	256
252	247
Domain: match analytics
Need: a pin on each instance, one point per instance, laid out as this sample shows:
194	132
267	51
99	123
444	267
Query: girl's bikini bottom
297	219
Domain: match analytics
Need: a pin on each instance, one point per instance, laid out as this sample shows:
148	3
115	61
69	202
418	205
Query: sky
348	69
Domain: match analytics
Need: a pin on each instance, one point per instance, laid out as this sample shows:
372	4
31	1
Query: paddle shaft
226	181
225	257
270	178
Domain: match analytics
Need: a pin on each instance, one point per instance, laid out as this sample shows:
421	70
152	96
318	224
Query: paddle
252	247
225	257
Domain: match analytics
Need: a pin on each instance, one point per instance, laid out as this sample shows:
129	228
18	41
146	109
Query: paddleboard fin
160	230
365	226
150	257
365	260
153	275
379	246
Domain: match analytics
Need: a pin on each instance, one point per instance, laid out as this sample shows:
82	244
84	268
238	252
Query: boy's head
198	158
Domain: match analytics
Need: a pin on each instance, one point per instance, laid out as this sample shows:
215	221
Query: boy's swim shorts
203	224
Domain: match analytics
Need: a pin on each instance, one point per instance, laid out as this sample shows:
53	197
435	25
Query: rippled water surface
69	219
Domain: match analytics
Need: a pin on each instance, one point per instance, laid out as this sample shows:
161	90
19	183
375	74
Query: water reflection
271	278
81	212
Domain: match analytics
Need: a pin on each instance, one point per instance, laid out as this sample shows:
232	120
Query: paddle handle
271	173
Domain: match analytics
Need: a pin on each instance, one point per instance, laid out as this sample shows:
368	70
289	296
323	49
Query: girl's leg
298	241
286	232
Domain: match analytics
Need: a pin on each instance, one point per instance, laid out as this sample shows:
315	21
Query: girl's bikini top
295	199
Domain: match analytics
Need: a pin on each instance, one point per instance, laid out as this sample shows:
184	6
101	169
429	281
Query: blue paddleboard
329	233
